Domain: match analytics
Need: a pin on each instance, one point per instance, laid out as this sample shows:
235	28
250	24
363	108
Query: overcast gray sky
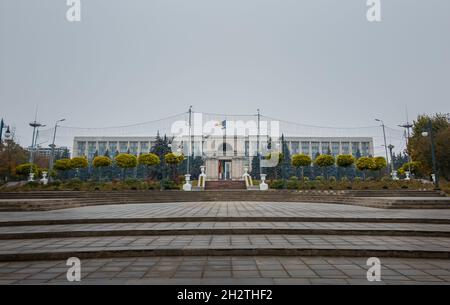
312	61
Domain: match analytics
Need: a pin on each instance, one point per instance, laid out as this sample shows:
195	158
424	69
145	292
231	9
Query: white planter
44	179
263	185
407	176
187	185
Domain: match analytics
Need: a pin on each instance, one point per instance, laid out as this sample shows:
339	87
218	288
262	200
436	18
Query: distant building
225	157
59	152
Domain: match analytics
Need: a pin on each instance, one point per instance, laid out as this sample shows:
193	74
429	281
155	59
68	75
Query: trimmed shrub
345	160
324	161
101	161
24	169
380	163
78	162
126	161
149	159
299	160
173	159
62	165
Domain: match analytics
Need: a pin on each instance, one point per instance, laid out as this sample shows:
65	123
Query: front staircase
225	185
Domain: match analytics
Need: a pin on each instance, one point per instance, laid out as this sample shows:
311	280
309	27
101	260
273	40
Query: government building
226	156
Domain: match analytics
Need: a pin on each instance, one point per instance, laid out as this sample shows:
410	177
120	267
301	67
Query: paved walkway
228	270
155	244
223	209
72	246
156	228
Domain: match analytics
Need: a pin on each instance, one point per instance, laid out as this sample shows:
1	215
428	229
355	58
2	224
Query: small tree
324	161
364	164
173	160
24	170
149	160
379	163
273	172
301	160
413	166
78	162
125	161
62	165
99	162
345	161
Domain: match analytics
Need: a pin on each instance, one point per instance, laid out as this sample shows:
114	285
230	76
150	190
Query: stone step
222	219
224	228
225	185
230	196
211	245
150	193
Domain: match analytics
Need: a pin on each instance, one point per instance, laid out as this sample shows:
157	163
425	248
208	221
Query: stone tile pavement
223	209
257	225
228	242
229	270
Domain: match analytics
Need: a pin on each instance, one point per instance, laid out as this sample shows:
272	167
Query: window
144	147
315	149
335	148
197	149
305	148
247	148
92	149
326	150
295	147
345	148
81	148
112	148
101	148
365	148
123	147
355	148
134	148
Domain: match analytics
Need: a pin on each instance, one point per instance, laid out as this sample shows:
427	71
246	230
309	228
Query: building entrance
224	170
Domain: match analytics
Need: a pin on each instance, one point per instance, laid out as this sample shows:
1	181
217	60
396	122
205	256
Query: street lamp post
8	141
385	144
7	132
258	142
188	169
2	124
52	152
391	147
435	173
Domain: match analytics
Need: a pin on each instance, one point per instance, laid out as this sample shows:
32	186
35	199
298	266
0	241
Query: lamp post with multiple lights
35	126
52	152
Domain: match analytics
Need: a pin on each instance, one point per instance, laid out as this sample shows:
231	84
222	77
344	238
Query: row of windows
250	148
332	148
111	147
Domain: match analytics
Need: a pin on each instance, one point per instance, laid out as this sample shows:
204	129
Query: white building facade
226	156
